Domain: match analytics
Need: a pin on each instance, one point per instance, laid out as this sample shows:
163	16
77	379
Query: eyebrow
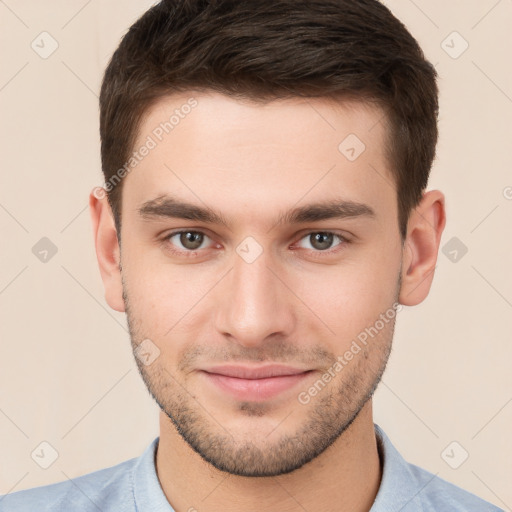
171	207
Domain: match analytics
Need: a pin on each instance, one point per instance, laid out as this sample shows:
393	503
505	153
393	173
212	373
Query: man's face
262	288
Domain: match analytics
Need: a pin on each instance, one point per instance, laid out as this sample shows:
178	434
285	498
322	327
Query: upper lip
260	372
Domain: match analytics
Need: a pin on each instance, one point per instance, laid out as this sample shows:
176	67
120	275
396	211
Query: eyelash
315	253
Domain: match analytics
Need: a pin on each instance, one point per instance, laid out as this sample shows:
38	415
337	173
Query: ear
107	247
424	230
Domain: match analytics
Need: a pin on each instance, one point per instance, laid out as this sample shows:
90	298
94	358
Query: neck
345	477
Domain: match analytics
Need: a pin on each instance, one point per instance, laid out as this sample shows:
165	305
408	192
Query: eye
321	240
189	240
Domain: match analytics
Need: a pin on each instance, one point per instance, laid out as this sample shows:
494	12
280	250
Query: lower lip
255	389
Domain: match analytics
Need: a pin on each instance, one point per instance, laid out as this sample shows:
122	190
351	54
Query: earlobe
107	248
424	230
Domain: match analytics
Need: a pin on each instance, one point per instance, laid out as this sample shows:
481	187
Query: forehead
212	116
237	155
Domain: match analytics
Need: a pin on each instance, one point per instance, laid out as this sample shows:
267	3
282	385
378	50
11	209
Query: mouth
254	383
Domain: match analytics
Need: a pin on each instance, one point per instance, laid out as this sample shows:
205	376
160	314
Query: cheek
163	296
346	297
349	297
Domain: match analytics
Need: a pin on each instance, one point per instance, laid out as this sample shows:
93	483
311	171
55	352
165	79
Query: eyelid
344	240
168	236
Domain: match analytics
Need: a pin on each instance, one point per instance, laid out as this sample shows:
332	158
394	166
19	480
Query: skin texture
298	303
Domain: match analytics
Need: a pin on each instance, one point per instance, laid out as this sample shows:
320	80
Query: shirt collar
147	491
398	486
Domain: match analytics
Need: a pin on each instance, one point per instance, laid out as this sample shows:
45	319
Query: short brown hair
271	49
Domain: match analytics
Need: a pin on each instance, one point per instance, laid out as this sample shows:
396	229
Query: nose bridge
254	302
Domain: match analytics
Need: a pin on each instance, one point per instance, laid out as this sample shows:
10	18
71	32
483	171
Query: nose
254	303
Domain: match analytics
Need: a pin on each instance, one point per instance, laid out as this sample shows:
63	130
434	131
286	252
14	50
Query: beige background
67	374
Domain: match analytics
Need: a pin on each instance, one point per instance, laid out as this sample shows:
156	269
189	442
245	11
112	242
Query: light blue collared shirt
133	486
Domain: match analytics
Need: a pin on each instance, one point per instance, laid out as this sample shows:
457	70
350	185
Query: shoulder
105	489
434	494
410	488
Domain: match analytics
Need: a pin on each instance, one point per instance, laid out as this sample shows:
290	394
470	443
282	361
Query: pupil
322	240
